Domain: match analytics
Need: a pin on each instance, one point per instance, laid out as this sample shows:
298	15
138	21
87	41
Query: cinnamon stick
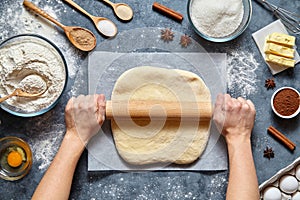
282	138
167	11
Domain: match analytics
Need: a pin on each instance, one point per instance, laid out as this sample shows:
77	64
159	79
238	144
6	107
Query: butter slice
282	61
282	39
272	48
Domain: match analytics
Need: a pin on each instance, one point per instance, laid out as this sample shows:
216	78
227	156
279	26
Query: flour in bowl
33	84
33	65
217	18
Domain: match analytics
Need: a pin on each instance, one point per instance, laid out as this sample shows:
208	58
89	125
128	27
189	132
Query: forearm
243	182
56	183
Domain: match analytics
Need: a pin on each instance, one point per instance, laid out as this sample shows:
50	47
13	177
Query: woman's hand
84	116
234	117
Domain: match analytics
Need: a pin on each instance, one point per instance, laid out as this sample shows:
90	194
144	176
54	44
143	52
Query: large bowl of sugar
35	65
219	20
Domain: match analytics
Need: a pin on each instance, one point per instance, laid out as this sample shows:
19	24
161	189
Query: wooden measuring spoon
103	25
81	38
122	10
20	93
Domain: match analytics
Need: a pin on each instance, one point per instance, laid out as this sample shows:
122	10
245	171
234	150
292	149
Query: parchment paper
104	69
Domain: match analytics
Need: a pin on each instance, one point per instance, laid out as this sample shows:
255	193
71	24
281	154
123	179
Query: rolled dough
148	142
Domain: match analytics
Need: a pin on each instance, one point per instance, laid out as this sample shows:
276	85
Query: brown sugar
286	102
83	38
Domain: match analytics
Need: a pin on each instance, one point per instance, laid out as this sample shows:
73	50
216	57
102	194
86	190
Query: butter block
279	60
282	39
272	48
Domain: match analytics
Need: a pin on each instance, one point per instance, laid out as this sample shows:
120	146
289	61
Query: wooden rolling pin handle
158	110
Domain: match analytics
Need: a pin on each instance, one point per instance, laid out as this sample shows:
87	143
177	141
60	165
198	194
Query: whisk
290	20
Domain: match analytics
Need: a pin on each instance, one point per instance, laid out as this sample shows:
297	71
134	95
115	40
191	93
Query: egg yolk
14	159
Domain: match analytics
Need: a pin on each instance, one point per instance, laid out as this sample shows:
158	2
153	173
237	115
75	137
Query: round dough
164	141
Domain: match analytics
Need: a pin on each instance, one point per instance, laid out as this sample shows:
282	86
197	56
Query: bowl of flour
219	20
34	64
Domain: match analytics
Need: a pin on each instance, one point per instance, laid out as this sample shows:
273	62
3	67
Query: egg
288	184
298	172
296	196
272	193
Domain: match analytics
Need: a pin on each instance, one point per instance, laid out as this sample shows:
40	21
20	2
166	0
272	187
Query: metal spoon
104	25
81	38
20	93
122	10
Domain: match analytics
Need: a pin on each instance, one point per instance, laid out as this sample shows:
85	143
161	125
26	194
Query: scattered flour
241	77
16	20
44	148
217	18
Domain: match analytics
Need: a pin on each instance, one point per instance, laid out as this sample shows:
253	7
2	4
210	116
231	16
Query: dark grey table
246	75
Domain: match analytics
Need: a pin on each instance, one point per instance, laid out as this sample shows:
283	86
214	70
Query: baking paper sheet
259	38
104	69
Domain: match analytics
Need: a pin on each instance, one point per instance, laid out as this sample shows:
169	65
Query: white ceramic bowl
273	108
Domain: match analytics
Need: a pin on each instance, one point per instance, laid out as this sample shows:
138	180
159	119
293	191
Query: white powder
107	28
217	18
23	58
241	77
33	84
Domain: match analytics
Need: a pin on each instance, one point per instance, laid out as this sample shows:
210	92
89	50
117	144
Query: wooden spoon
103	25
122	10
81	38
20	93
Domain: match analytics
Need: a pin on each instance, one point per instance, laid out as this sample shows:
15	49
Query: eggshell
288	184
272	193
298	172
296	196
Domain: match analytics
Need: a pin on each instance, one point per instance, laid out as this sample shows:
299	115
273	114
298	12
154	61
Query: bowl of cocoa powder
285	102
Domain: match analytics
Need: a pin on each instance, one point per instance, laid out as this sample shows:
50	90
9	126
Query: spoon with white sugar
105	26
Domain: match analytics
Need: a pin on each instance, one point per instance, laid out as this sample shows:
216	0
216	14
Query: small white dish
275	111
259	38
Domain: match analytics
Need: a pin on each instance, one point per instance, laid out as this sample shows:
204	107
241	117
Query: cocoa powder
286	102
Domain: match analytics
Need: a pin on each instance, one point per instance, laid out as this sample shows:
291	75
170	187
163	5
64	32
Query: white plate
259	37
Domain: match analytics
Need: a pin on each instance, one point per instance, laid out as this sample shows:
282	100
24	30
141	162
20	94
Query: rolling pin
141	110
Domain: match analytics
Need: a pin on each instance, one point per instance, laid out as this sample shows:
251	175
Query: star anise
270	83
185	40
269	153
167	35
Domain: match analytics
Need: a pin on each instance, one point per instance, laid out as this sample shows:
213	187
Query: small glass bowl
44	42
275	111
242	27
14	173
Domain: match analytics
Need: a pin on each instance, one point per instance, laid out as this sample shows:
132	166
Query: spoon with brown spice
105	26
81	38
